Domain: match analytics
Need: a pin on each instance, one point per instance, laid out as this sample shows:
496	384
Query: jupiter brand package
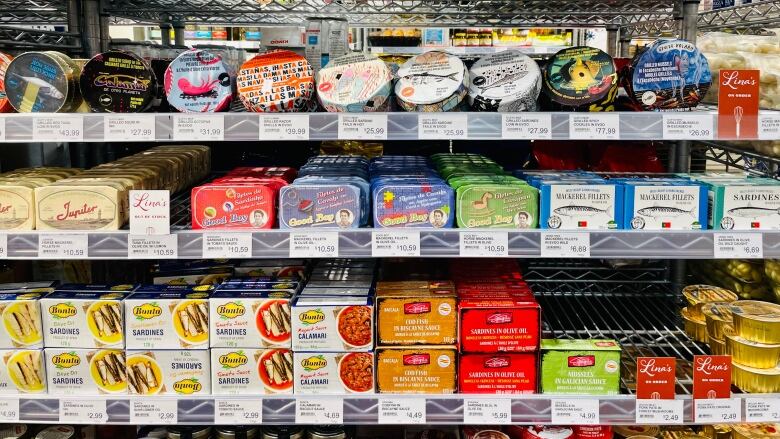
170	372
86	371
586	205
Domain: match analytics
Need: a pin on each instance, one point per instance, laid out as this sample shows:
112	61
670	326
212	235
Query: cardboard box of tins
580	367
505	323
418	369
85	371
21	319
333	372
85	316
497	373
169	372
250	319
251	371
22	371
168	317
416	312
332	323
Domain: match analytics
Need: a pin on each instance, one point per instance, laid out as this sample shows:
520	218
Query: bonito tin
118	82
199	81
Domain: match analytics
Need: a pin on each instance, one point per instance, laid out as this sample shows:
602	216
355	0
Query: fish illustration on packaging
664	212
752	212
45	87
574	210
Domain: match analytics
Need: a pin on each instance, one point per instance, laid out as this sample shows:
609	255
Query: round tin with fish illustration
668	75
199	81
505	81
5	106
118	82
276	81
581	77
41	82
356	83
432	81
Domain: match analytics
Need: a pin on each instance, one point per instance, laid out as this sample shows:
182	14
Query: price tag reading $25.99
363	127
442	126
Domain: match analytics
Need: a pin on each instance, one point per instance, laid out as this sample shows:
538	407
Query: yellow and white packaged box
170	372
22	371
251	371
86	371
168	317
21	314
85	316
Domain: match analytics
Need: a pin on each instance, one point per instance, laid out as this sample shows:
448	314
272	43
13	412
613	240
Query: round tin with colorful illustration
199	81
433	81
118	82
505	81
356	83
276	81
581	77
5	106
42	82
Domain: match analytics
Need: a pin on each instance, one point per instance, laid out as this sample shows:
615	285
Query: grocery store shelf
750	18
23	38
734	156
474	51
370	126
456	13
33	11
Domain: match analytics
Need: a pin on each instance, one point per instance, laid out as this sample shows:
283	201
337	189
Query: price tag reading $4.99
487	411
402	411
9	410
575	411
319	411
154	412
82	411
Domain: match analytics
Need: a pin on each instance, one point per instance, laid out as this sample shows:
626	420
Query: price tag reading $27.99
129	128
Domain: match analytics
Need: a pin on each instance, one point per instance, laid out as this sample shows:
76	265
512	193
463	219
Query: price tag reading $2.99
82	411
151	411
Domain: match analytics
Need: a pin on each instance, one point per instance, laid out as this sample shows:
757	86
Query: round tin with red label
547	432
277	81
592	432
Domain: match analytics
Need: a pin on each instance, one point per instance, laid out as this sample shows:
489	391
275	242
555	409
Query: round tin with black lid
118	82
236	432
581	78
327	432
283	432
189	432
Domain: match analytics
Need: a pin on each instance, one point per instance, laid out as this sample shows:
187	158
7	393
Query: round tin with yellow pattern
752	380
756	431
718	347
695	328
698	295
757	321
716	316
717	431
752	354
636	431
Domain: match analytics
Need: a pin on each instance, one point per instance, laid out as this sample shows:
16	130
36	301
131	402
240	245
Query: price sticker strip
717	411
83	411
575	411
402	411
487	411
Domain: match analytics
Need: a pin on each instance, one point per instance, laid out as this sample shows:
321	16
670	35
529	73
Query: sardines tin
85	316
86	371
580	367
354	83
333	372
232	206
574	205
250	319
744	206
199	81
168	317
21	320
514	206
413	205
499	324
22	371
251	371
507	81
416	316
326	205
432	81
332	323
497	373
419	369
665	206
168	372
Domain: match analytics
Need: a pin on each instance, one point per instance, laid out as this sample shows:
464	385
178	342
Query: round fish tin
355	83
581	77
432	81
199	81
41	82
5	106
669	75
277	81
504	81
118	82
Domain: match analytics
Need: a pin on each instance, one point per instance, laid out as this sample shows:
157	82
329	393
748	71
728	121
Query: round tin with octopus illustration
505	81
118	82
199	81
581	77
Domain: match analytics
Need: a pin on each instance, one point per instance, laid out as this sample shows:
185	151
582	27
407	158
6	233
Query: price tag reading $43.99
62	128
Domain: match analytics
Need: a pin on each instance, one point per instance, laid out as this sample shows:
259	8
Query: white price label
739	246
442	126
484	244
689	126
575	411
238	411
526	126
2	129
199	128
363	127
769	127
396	243
402	411
717	411
565	245
60	128
314	244
659	411
594	126
154	411
129	127
327	411
487	411
9	410
83	411
3	246
227	245
152	246
65	246
762	409
284	127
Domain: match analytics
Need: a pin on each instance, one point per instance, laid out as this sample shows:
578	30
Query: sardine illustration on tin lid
199	81
505	81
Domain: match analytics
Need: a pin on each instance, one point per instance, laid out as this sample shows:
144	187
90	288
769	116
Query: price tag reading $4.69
319	411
